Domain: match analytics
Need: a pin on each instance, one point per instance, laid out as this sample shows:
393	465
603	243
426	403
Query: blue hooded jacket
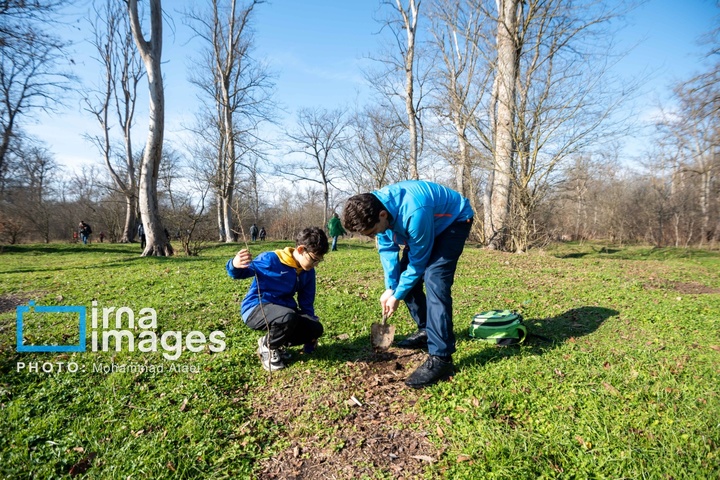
420	212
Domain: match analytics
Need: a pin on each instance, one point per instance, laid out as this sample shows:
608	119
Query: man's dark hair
362	212
314	240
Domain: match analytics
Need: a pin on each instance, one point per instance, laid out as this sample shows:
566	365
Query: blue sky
318	47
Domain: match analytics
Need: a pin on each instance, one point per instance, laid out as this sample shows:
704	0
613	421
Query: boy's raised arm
240	265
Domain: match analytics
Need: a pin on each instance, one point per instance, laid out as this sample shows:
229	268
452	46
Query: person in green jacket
335	229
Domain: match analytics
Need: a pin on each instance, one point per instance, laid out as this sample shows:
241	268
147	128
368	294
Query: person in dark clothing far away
84	230
141	234
335	229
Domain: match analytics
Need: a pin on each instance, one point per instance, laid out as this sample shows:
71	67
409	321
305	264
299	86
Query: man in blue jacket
432	222
270	304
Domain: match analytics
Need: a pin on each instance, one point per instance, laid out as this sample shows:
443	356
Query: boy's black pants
287	326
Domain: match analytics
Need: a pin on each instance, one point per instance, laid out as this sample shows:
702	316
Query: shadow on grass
546	333
70	248
595	251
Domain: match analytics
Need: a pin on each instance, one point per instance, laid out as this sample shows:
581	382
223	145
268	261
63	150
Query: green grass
625	386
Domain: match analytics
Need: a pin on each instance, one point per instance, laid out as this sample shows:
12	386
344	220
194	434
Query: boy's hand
242	259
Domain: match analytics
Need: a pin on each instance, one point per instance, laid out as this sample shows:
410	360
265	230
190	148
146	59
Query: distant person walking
335	229
102	236
254	232
84	230
141	234
263	234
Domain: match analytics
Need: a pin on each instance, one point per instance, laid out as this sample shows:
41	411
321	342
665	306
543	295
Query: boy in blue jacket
270	304
432	222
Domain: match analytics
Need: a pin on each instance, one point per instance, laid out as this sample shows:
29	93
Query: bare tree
151	54
319	136
498	188
239	87
693	130
403	73
117	97
31	66
374	156
409	22
460	35
463	79
34	200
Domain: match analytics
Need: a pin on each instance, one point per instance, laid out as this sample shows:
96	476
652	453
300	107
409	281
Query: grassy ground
623	385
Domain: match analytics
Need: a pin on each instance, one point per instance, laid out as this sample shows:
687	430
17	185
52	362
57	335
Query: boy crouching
270	304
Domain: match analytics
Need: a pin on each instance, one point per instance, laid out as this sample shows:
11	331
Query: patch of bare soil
688	288
9	302
366	424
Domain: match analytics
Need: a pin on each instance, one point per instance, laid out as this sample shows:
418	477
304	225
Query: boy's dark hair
362	212
314	240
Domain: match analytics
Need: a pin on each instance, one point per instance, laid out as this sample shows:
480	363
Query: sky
318	48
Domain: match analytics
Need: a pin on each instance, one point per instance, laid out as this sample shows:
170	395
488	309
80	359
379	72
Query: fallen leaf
612	390
715	347
440	432
78	449
170	466
559	373
606	365
447	420
139	432
463	458
183	406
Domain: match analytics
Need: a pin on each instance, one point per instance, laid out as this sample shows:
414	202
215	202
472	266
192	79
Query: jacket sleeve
421	237
389	250
306	294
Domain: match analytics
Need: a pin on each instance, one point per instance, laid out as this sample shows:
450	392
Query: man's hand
242	259
388	302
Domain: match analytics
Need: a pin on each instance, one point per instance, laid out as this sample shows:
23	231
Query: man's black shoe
416	340
431	372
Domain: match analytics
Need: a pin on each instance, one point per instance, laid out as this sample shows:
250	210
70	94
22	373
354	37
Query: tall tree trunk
219	215
227	219
130	216
503	153
705	195
151	52
229	182
464	170
410	22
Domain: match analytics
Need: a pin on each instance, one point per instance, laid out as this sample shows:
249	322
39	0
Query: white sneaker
270	358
